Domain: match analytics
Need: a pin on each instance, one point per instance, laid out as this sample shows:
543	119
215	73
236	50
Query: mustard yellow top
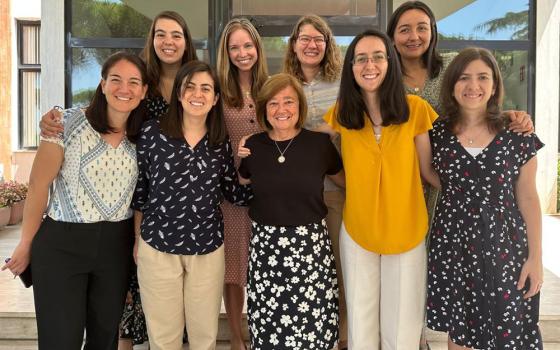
385	211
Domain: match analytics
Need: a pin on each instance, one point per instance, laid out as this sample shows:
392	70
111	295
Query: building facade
77	35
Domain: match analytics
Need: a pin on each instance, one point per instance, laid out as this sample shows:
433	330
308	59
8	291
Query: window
503	27
29	82
98	28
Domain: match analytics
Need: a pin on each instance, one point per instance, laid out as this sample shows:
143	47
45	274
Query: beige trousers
334	200
179	288
385	296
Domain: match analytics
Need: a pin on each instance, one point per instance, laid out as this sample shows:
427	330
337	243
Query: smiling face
370	75
242	51
310	46
474	87
123	87
169	41
198	95
412	34
282	110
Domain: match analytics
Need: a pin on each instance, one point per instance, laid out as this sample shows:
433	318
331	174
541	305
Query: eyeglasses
318	40
362	60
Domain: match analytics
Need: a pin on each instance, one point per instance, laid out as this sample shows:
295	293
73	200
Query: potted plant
4	209
14	194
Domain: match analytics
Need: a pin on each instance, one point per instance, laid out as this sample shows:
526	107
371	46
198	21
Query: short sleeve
330	118
527	147
333	157
422	114
68	115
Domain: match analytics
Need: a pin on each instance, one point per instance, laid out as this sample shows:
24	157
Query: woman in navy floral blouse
485	261
185	169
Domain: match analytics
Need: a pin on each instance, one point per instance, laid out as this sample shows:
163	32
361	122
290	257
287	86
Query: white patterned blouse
96	181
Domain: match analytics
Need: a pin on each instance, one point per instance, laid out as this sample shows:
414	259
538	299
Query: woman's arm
46	166
138	216
520	121
529	205
339	179
424	152
50	123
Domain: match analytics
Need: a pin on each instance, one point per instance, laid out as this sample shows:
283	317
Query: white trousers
385	296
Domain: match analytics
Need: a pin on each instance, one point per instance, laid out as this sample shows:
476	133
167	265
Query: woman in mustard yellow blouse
385	149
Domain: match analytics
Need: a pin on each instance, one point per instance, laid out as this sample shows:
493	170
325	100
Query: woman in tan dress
242	71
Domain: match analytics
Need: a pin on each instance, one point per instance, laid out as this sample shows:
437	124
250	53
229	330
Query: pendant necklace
281	158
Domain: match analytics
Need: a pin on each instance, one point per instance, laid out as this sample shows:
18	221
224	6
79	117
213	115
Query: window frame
528	45
21	69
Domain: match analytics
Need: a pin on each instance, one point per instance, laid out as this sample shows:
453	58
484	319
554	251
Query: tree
519	21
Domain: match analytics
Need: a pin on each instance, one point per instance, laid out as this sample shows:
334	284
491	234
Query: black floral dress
133	323
479	245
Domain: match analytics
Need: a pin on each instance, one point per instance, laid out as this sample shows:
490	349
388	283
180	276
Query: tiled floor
15	298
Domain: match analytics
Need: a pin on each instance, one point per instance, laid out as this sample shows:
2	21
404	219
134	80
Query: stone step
32	345
21	326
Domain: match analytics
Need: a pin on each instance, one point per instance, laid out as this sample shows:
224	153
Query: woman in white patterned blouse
82	249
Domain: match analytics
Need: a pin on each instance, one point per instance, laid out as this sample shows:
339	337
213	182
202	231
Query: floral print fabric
292	288
479	245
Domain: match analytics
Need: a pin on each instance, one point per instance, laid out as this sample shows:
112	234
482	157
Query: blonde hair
331	63
228	73
273	86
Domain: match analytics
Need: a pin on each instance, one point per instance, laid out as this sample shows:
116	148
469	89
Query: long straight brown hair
149	55
229	73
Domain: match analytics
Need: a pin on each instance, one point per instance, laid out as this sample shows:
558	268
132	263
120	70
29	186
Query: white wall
20	10
547	98
52	54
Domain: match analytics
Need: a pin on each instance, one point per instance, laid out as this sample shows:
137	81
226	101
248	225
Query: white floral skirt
291	287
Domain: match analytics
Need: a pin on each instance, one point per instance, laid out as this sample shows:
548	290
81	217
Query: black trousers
80	280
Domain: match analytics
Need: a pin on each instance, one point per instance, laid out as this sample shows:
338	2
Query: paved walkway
15	298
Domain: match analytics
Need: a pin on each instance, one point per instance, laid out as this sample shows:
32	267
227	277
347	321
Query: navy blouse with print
179	191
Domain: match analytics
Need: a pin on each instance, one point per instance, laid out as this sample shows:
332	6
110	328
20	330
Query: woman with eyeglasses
385	149
315	60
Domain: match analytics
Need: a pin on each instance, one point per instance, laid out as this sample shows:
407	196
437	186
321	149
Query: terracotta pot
16	214
4	216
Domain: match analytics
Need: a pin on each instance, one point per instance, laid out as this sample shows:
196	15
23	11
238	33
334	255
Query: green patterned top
431	89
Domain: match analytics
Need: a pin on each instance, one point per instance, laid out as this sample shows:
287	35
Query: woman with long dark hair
81	251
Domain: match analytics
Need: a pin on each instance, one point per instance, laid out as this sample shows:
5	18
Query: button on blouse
179	191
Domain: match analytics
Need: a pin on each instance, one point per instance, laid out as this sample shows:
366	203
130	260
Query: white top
96	181
474	151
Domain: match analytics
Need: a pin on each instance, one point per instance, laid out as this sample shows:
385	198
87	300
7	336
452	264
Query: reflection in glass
107	18
480	19
132	18
30	85
298	7
514	68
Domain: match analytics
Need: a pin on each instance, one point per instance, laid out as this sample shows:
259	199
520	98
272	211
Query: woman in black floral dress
485	263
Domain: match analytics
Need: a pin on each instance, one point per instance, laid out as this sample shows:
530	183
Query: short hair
451	109
149	55
229	73
273	86
96	112
392	96
431	58
331	63
171	123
